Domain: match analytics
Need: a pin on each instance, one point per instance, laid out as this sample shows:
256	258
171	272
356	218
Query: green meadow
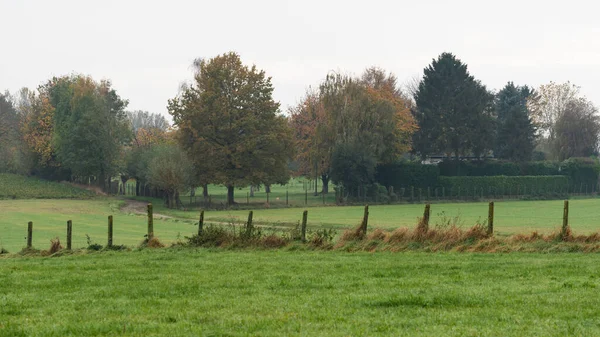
198	292
90	218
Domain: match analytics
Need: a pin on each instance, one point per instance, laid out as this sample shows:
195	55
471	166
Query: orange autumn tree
350	125
37	127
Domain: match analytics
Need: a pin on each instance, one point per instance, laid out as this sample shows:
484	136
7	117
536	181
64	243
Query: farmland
299	293
90	218
14	186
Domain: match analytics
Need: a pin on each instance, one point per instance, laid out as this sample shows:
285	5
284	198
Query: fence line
424	224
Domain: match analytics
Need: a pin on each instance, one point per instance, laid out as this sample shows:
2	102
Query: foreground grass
185	292
14	186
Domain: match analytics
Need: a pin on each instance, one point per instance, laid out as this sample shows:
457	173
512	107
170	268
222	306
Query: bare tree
549	104
576	130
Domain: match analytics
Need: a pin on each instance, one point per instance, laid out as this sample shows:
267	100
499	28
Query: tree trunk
101	181
267	188
137	187
230	190
252	190
178	201
325	179
205	191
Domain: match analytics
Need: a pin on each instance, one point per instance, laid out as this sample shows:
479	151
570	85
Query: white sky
146	47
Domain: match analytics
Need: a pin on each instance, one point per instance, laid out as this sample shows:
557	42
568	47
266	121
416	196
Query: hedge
406	174
452	168
505	185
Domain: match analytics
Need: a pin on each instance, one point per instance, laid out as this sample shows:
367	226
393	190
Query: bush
550	186
453	168
581	172
406	174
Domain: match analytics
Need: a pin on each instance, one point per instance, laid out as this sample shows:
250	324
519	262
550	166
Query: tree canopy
516	133
453	110
230	125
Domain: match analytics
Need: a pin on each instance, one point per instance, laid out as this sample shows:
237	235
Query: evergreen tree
516	133
453	110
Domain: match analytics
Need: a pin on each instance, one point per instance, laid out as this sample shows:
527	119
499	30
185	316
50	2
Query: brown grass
154	243
55	246
273	241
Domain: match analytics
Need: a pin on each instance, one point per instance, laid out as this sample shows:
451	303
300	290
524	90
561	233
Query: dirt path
140	207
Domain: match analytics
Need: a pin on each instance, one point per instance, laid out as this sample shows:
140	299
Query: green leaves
454	111
228	123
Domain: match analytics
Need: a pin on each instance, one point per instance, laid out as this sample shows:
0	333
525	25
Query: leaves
228	123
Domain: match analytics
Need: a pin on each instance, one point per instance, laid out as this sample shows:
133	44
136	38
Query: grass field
510	216
298	293
14	186
90	217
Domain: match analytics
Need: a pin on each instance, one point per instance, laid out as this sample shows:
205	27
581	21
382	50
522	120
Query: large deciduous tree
567	121
229	124
576	130
350	125
90	126
516	133
13	154
169	169
453	110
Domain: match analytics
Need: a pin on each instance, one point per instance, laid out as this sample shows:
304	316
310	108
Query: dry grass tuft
273	241
352	234
534	236
399	235
378	234
55	246
154	243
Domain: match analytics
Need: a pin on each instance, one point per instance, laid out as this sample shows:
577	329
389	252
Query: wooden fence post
110	231
565	224
365	221
304	219
249	223
490	229
426	215
150	223
287	198
201	223
69	234
29	233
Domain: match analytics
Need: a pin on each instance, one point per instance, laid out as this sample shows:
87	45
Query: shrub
92	245
211	236
552	186
322	237
406	174
581	172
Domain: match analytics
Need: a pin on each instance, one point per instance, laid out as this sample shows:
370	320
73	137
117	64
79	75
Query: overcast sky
146	47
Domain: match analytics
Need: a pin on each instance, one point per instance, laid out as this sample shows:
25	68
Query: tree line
227	128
